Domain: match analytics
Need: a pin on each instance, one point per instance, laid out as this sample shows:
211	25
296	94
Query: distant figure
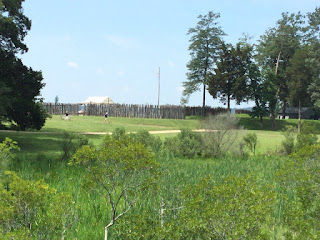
66	116
106	117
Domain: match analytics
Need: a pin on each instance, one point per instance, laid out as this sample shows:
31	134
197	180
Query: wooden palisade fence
129	110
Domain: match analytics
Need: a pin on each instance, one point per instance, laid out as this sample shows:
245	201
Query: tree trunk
204	100
229	110
273	118
299	116
261	121
284	108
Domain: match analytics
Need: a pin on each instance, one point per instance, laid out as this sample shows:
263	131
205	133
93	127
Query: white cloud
72	64
123	42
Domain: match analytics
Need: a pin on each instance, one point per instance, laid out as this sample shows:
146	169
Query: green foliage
204	46
290	134
71	143
139	226
299	180
121	169
154	143
118	133
32	209
6	148
235	209
231	74
308	136
251	141
19	84
186	144
301	75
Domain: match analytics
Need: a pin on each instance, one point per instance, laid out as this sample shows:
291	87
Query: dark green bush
290	134
118	133
308	136
185	144
154	143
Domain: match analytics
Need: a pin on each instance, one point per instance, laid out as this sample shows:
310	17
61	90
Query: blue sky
115	48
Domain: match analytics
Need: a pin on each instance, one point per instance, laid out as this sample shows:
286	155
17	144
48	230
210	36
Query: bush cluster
295	141
216	140
71	143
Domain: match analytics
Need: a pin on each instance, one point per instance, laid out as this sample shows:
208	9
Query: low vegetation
136	186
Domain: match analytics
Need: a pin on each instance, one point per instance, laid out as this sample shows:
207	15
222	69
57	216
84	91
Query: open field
81	124
48	139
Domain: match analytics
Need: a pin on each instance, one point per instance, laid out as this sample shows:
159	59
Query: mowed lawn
49	138
80	124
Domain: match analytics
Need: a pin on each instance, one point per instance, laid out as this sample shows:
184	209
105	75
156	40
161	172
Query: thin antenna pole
159	94
159	88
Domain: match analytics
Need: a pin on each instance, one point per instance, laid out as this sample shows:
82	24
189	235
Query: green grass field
48	139
80	124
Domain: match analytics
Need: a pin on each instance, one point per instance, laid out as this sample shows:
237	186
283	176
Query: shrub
186	144
298	181
290	134
221	134
251	141
145	138
32	210
6	148
307	136
238	208
120	170
71	143
118	133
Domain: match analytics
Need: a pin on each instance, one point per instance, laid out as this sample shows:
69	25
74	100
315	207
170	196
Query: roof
296	110
99	100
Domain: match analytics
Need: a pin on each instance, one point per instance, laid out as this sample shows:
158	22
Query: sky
115	48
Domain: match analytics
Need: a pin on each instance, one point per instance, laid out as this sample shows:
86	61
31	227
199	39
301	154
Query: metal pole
159	93
159	88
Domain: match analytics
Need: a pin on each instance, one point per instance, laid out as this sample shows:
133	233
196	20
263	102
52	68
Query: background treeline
282	69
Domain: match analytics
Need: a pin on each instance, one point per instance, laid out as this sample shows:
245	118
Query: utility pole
159	88
159	93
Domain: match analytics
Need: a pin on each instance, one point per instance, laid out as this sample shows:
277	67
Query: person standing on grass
66	116
106	117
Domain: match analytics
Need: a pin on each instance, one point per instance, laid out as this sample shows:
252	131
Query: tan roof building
98	100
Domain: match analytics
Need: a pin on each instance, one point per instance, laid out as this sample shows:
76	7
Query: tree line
282	69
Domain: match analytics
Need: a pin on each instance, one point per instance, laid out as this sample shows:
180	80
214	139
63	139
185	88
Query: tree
121	169
19	84
230	79
56	100
301	75
204	48
259	96
314	56
277	46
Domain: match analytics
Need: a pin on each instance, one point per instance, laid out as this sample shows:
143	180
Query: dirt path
105	133
151	132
